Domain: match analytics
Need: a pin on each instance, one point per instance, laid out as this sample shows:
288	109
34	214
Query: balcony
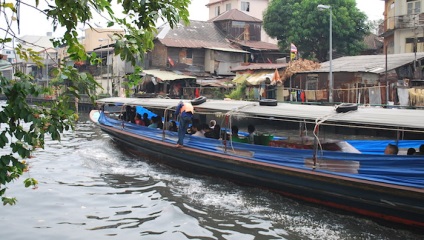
400	22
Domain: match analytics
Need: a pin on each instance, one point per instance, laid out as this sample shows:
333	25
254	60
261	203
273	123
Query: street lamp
107	65
330	76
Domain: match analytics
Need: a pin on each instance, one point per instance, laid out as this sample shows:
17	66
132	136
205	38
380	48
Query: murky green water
90	189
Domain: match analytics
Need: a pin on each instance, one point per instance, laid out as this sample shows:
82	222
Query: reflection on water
90	189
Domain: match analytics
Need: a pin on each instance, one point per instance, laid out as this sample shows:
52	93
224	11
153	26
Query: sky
36	24
372	8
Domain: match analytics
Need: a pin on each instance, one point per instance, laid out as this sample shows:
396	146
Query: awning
260	77
241	78
167	75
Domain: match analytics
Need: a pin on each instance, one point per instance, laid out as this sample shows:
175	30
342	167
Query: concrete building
254	8
9	55
403	26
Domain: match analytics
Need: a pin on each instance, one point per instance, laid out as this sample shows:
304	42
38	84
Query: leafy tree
300	22
24	127
374	25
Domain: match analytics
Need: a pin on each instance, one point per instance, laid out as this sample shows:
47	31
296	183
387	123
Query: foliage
25	127
374	25
300	22
239	92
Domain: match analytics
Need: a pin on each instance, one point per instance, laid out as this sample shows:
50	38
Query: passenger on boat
128	115
214	132
234	132
173	126
198	130
391	149
206	128
154	123
251	131
185	113
421	150
131	115
138	120
159	122
146	119
217	132
212	124
411	151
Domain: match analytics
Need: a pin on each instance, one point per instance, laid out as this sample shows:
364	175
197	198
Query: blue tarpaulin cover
370	164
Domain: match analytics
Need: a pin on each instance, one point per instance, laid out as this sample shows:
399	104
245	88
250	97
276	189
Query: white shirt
199	134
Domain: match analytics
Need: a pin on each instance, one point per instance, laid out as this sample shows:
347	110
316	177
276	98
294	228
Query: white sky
372	8
36	24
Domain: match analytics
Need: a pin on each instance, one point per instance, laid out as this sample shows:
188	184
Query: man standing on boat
185	112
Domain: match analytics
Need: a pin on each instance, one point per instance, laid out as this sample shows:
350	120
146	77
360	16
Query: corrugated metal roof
373	42
197	34
167	75
235	15
369	63
227	49
259	66
258	45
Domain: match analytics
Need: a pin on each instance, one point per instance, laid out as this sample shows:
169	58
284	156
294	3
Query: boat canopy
390	119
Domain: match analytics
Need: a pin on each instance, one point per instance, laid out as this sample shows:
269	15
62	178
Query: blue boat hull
388	202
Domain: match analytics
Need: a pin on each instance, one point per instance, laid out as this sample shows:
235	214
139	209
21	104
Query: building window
414	6
217	11
189	53
245	6
228	7
410	43
238	24
8	52
312	82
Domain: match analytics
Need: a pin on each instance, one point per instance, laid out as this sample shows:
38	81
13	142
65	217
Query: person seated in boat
205	128
131	115
234	132
154	123
146	119
173	126
217	132
159	122
128	115
420	150
212	124
411	151
138	120
185	113
251	130
214	133
197	130
391	149
235	136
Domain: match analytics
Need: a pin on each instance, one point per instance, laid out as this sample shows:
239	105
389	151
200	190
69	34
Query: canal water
90	189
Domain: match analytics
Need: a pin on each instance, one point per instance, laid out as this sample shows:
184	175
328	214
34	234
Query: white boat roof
384	118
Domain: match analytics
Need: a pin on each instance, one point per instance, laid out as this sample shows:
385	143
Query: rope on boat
318	122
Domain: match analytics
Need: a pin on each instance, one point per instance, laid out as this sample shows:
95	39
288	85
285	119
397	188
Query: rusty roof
369	63
198	34
373	42
235	15
257	45
260	66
